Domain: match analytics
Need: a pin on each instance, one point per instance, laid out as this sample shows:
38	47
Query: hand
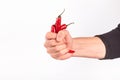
59	44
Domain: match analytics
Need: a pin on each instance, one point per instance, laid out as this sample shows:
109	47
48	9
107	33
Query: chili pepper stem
70	23
61	13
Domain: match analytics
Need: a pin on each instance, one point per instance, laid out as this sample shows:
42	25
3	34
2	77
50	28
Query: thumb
60	35
64	35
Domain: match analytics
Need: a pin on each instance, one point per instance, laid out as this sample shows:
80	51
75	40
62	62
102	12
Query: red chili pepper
58	24
53	28
57	27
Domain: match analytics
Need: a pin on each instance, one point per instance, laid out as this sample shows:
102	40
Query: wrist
91	47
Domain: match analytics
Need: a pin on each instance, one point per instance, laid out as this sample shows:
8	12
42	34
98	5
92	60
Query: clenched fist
58	44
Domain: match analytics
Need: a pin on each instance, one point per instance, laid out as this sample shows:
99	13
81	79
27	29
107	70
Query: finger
50	35
50	43
56	49
62	55
60	35
65	56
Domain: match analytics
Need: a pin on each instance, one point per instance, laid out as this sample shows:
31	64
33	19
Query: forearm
90	47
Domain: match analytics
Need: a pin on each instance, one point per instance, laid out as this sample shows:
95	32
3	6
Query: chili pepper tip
71	51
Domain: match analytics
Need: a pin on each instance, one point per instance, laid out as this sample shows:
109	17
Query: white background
24	23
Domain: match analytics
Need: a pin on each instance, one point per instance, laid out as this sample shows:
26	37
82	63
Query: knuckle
47	35
48	51
46	44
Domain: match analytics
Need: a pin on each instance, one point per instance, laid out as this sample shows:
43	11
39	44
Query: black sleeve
112	43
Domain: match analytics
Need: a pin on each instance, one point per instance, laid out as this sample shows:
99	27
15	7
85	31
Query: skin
58	45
